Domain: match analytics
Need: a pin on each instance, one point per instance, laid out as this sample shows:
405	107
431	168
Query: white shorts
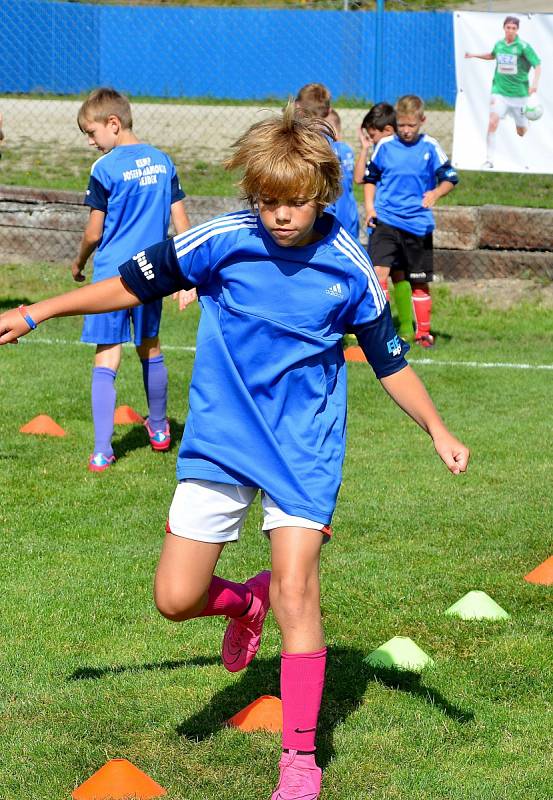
207	511
501	105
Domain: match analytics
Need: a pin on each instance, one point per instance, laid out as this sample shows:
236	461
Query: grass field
42	165
90	671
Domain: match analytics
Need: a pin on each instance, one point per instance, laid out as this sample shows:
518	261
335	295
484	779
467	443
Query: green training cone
399	653
477	605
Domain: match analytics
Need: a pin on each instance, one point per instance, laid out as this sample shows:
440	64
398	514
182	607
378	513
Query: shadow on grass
347	678
94	673
12	302
136	438
413	683
441	335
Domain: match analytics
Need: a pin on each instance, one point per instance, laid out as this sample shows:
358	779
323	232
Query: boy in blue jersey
313	100
378	123
132	193
406	175
279	284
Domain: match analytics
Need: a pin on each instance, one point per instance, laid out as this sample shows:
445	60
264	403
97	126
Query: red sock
422	306
384	284
302	677
226	597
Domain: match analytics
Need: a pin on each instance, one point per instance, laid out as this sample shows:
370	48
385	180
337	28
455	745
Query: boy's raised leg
185	588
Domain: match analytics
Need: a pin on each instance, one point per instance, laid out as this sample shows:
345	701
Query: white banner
487	127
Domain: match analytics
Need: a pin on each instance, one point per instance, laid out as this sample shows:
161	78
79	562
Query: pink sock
422	305
227	598
302	677
384	286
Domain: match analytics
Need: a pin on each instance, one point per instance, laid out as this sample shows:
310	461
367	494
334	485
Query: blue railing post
379	53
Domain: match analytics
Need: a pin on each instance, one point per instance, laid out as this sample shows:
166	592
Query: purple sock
154	372
103	408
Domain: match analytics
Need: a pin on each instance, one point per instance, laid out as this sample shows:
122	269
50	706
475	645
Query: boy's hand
12	326
364	138
185	297
77	272
453	453
370	217
429	198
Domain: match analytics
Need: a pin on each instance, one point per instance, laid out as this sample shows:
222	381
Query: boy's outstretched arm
408	391
112	294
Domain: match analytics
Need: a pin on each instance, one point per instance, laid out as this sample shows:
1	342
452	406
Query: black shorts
400	250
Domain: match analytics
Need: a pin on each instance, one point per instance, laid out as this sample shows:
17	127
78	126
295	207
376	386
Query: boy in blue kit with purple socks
132	193
279	284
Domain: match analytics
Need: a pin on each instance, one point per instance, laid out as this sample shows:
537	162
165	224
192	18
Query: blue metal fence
254	54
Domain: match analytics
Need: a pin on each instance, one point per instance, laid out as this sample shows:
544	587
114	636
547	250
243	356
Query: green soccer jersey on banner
513	63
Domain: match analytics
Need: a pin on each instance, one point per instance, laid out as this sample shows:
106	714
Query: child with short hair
132	193
281	278
313	100
378	123
406	176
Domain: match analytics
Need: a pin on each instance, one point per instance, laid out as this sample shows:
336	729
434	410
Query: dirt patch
503	293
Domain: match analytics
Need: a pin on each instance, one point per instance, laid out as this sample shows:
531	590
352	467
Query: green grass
41	165
90	671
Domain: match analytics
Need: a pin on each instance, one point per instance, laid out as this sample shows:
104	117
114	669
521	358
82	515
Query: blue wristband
27	317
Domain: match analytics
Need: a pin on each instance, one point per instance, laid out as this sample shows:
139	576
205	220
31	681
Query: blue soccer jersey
403	172
345	206
135	186
268	391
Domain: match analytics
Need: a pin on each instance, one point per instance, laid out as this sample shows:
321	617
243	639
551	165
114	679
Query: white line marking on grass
76	342
434	362
430	362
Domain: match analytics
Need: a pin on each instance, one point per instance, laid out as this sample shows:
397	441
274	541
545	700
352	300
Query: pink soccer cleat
161	439
300	778
243	634
98	462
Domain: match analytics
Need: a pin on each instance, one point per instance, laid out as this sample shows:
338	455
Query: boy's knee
177	605
291	596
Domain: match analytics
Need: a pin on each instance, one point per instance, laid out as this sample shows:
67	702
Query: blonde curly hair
288	156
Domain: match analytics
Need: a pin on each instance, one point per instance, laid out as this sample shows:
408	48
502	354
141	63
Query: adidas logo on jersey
335	291
144	264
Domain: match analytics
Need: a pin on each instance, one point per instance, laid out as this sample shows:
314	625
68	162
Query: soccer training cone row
118	780
477	605
264	714
125	415
354	354
43	425
399	653
542	574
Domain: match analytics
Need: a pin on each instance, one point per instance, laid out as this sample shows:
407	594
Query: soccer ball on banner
533	108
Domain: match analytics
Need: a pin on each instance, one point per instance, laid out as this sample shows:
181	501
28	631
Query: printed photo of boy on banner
504	100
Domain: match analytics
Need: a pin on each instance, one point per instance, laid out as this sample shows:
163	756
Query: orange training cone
43	425
264	714
125	415
118	780
354	354
542	574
